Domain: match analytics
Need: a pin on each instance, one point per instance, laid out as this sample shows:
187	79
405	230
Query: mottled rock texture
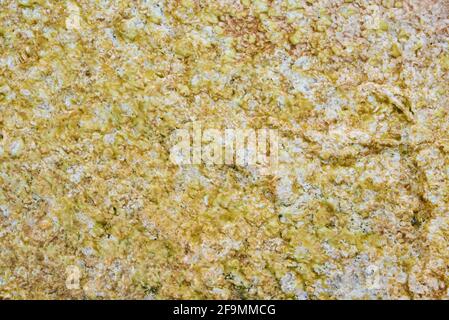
91	90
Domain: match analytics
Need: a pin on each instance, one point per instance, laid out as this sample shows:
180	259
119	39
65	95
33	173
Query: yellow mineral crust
92	207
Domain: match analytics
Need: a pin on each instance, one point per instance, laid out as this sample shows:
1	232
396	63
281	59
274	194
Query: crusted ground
90	92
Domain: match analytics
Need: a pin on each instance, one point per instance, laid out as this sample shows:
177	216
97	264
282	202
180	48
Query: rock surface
92	207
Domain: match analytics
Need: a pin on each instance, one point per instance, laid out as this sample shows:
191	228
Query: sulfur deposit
91	207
